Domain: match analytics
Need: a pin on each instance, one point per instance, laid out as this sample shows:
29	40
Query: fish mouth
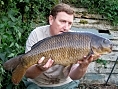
104	53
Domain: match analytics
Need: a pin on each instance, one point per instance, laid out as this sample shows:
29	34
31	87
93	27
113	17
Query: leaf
1	25
26	8
2	56
17	45
4	18
9	86
12	18
19	34
2	2
11	44
11	55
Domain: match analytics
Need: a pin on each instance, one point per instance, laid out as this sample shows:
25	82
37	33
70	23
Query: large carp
65	49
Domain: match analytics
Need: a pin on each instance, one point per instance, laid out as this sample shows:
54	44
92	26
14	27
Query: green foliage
102	62
107	8
83	22
17	19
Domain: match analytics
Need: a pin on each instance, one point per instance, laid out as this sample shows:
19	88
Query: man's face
61	23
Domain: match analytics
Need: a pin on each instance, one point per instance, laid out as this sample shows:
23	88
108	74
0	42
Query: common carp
65	49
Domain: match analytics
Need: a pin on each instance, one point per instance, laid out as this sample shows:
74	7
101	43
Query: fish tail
12	63
18	73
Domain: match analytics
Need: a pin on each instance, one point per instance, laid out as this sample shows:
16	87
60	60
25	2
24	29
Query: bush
106	8
18	18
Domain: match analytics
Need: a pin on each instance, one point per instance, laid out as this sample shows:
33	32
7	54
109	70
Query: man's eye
64	21
70	23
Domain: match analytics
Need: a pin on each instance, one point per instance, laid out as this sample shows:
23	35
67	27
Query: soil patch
97	86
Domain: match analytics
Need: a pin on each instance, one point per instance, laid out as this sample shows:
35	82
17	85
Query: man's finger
49	63
41	60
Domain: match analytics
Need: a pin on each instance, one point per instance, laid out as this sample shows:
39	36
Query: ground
97	86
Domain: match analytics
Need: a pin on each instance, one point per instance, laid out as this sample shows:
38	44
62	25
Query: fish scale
65	49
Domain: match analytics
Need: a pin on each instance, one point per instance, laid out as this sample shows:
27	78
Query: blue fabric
71	85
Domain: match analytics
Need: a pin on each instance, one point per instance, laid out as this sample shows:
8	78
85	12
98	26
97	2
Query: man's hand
46	66
87	60
36	69
79	70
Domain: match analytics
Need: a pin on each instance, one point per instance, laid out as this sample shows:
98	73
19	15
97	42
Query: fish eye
106	41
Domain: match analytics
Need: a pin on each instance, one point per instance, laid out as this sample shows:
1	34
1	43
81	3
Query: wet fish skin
65	49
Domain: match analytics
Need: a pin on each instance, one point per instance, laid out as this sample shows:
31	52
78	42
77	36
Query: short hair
62	7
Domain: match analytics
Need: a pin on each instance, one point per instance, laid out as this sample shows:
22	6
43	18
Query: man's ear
51	19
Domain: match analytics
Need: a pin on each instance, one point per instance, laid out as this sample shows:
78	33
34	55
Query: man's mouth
61	31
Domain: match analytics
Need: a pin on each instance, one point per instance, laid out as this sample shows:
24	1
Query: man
48	76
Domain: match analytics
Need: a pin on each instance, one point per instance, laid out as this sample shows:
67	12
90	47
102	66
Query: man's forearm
33	72
77	72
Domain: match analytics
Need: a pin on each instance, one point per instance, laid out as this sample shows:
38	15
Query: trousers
71	85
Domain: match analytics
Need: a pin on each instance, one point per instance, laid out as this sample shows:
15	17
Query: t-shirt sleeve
32	39
36	35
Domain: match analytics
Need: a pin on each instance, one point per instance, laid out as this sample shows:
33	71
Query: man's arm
78	71
37	69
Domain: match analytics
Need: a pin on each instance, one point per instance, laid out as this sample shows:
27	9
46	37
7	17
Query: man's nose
66	27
